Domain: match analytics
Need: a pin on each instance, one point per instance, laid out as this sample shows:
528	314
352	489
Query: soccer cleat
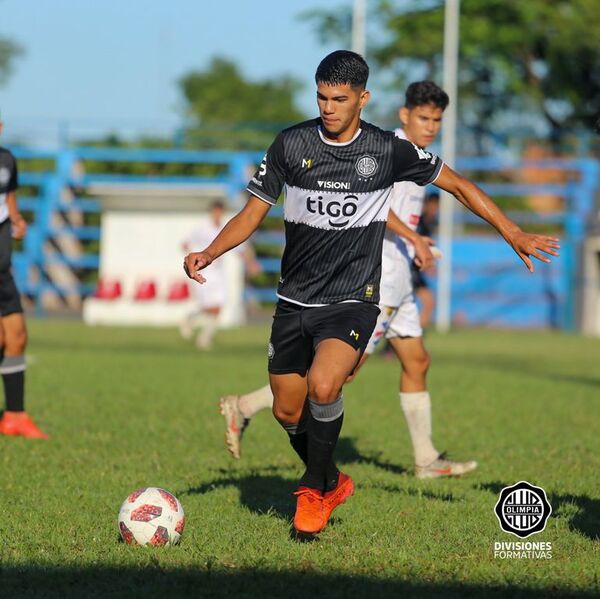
309	517
337	496
235	424
443	467
20	424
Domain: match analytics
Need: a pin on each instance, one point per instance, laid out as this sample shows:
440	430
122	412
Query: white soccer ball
151	516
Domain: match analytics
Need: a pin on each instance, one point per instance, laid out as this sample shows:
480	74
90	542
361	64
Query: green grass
131	408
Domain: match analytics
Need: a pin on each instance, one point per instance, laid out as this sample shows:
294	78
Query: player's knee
323	390
286	415
418	365
16	342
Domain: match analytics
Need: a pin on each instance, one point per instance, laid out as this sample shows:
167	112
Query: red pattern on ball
146	512
135	495
126	534
170	499
160	537
179	526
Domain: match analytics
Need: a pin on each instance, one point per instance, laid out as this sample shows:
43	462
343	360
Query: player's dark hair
343	67
421	93
217	204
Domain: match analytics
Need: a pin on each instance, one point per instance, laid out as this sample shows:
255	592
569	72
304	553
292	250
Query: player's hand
19	226
193	263
424	259
530	244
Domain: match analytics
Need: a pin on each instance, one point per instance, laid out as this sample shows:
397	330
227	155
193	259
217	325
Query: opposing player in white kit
399	321
211	296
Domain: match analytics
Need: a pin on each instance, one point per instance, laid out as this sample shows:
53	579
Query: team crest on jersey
370	290
4	175
366	166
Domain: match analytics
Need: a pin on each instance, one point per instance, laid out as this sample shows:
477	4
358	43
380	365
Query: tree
228	111
533	58
9	50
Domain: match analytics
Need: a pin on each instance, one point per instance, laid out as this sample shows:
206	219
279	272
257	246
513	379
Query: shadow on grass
262	494
586	517
266	491
213	580
346	452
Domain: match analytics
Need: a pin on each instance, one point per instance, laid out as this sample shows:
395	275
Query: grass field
131	408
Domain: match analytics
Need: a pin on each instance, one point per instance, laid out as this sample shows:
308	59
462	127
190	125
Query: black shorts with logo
10	300
297	330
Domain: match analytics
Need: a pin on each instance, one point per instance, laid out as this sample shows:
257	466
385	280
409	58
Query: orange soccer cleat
337	496
309	516
20	424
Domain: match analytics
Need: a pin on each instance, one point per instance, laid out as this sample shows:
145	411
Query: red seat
108	289
179	291
146	290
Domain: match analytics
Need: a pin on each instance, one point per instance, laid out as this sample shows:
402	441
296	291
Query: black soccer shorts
297	331
10	300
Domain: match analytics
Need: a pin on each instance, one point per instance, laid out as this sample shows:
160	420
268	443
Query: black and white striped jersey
336	204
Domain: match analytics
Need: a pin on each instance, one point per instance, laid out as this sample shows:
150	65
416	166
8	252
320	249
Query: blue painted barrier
490	285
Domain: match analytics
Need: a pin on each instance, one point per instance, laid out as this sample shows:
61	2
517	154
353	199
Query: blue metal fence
490	286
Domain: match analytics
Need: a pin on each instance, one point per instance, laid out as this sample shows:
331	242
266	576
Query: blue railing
490	286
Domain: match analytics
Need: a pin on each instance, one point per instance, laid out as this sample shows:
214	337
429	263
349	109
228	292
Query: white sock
254	402
206	335
417	411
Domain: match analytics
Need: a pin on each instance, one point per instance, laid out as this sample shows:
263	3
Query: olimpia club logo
366	166
523	509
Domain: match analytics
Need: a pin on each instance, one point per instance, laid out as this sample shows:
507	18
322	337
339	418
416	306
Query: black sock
14	387
299	443
331	477
322	439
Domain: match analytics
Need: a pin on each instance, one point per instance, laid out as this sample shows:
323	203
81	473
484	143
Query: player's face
421	123
339	107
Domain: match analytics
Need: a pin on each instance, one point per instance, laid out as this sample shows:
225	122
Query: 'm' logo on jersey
354	334
333	185
306	163
366	166
339	212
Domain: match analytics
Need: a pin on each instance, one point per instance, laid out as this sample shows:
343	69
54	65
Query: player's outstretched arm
423	256
236	231
478	202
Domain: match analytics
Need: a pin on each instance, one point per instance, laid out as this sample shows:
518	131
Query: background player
399	321
13	338
332	261
210	297
421	117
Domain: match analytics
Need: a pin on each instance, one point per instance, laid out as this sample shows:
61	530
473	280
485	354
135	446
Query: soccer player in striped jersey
15	421
338	173
398	321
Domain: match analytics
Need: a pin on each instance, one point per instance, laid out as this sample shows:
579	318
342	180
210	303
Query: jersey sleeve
412	163
268	181
13	182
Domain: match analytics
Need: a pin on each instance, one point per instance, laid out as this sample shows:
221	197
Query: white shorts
403	321
212	293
